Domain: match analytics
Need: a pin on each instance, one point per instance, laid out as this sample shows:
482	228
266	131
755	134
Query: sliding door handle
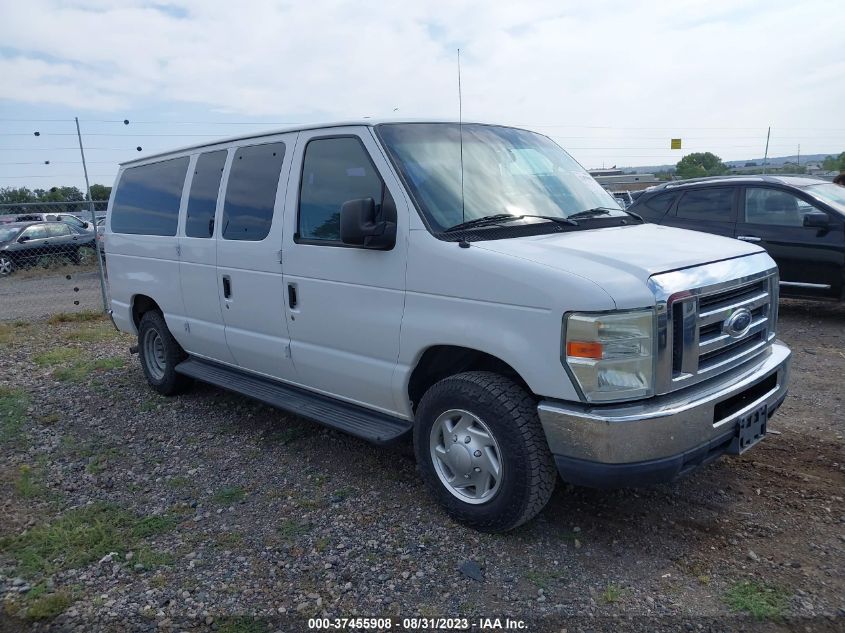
749	238
292	296
227	287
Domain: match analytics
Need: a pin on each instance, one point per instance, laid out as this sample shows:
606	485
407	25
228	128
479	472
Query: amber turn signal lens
580	349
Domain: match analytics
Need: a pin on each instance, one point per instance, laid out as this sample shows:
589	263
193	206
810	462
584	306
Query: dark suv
800	221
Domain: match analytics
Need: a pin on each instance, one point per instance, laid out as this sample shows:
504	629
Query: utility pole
93	219
766	156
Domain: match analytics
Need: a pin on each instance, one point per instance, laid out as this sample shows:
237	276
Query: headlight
611	356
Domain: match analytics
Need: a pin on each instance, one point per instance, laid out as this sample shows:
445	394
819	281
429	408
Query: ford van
468	286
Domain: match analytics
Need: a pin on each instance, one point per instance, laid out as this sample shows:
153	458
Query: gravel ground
224	514
34	294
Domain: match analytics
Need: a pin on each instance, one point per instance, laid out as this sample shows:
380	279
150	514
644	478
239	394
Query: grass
761	601
229	540
95	332
149	558
57	356
242	624
342	494
29	483
99	461
13	404
229	494
290	529
79	537
612	593
542	578
178	482
48	605
289	435
81	369
83	316
322	544
9	332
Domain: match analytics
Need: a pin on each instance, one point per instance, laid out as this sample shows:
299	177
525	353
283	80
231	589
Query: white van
469	285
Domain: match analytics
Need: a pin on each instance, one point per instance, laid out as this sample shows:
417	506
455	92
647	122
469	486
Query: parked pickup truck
466	285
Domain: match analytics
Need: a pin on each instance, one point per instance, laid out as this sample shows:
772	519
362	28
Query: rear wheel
159	354
482	451
6	265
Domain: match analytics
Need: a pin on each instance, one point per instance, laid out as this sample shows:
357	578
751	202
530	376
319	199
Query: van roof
296	128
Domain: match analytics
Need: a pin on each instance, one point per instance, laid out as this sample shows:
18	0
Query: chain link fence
52	259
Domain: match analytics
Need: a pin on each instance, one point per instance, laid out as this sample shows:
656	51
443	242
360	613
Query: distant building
620	181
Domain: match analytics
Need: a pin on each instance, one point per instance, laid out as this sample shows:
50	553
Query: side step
379	428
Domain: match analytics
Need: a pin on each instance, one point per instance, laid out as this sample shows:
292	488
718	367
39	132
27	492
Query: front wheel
159	354
6	265
482	451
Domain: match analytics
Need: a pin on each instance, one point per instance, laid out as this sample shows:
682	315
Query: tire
7	265
159	354
498	408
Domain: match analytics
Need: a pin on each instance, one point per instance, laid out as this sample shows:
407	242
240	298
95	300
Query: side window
334	170
774	207
660	204
708	205
202	201
37	232
148	197
58	229
251	192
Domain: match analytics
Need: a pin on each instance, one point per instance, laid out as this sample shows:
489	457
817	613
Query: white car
468	285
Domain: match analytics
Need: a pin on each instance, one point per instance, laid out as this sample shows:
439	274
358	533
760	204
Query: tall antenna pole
461	135
93	218
766	156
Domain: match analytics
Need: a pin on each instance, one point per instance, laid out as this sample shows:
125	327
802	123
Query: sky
611	82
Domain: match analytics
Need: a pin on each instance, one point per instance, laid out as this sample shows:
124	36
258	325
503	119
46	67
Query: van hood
640	251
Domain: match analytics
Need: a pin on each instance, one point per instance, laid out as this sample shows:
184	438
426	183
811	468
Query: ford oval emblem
738	324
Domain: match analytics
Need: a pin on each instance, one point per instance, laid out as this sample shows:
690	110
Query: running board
379	428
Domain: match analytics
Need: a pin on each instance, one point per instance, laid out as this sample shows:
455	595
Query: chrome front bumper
672	429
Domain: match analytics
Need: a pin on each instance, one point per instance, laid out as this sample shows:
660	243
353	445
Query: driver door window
775	208
334	170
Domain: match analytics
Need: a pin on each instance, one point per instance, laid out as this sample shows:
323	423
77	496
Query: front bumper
655	440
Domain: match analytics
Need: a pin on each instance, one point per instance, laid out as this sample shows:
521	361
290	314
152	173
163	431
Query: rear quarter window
657	206
708	205
147	198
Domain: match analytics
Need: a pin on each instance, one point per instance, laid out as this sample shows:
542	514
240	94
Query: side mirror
85	225
23	238
816	220
359	227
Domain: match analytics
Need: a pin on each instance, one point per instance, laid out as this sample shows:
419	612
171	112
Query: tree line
17	195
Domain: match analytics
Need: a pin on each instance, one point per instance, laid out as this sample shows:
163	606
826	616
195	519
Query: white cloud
635	64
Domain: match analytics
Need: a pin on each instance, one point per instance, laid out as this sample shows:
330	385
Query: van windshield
505	171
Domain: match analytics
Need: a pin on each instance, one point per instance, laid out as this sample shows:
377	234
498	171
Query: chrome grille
694	307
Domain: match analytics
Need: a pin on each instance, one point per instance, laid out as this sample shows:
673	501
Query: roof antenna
461	136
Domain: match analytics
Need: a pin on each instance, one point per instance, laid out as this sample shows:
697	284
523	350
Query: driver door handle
749	238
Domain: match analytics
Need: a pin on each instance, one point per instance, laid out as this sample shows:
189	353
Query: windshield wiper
552	218
487	219
506	217
590	213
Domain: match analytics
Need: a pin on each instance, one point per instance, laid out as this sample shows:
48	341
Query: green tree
834	163
12	195
60	194
700	164
100	192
